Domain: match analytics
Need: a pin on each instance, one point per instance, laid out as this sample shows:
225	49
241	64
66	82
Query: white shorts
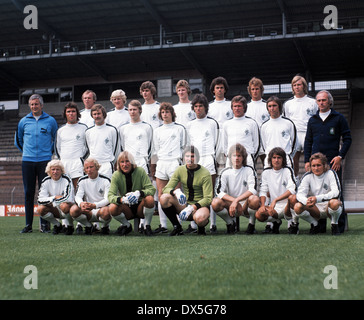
94	217
141	162
322	207
165	168
300	141
73	167
279	208
209	163
106	168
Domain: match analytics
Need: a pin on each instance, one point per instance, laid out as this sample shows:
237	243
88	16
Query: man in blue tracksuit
324	132
35	137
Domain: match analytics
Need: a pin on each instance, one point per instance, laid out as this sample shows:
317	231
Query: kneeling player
56	197
236	191
131	194
277	184
91	198
318	195
195	204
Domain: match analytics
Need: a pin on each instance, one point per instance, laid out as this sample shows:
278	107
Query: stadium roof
101	41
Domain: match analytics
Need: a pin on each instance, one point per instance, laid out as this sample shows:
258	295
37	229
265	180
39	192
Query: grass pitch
190	267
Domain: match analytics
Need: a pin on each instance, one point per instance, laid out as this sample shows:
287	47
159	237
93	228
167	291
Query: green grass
217	267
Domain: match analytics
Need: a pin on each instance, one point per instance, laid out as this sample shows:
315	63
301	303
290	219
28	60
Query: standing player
241	129
236	191
278	131
56	196
318	195
257	107
277	185
203	133
220	108
137	136
89	99
183	111
118	115
91	200
103	141
131	195
195	200
70	145
169	142
300	108
150	106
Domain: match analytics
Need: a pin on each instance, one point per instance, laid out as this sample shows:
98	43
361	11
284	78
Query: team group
192	161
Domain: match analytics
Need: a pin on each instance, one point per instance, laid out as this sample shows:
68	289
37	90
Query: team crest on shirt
229	114
139	137
173	136
325	186
107	141
310	112
264	117
207	134
247	132
284	133
78	137
101	191
190	115
245	183
284	184
154	117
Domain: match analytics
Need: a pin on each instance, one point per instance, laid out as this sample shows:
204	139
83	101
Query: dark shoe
69	230
177	231
250	229
276	225
141	229
57	229
79	229
201	231
190	229
44	228
315	229
267	230
105	230
213	229
148	231
160	229
27	229
230	228
124	230
88	230
335	230
293	228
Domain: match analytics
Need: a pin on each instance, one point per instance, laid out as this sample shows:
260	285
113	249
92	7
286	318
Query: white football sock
335	214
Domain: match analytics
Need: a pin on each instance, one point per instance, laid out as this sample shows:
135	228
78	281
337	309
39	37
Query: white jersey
324	187
258	111
70	142
300	110
280	132
103	143
93	190
150	114
169	141
137	138
235	182
117	117
184	113
50	188
277	182
243	130
220	111
86	117
204	135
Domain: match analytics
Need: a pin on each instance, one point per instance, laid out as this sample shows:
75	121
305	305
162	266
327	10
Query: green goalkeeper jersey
197	185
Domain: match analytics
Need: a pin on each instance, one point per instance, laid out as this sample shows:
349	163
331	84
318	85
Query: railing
164	39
